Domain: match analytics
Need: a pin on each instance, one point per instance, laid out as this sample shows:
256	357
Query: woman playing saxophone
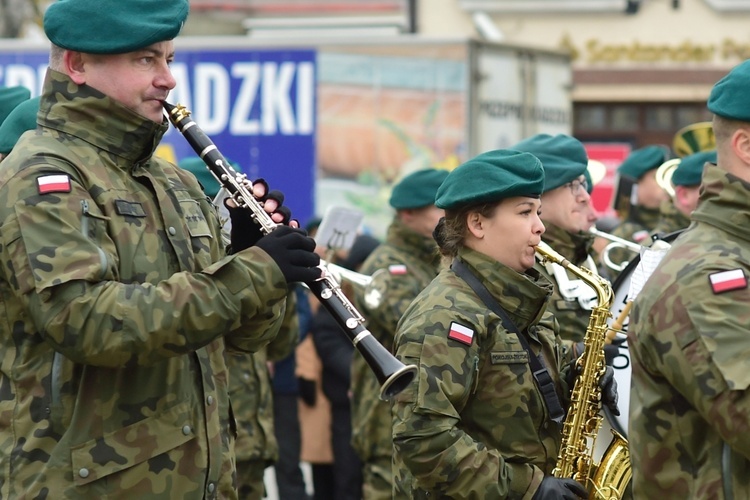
483	418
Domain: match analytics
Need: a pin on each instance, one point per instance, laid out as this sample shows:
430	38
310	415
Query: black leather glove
608	385
245	231
306	391
554	488
611	351
292	250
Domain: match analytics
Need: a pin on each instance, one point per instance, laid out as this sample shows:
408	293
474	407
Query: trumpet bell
664	175
694	138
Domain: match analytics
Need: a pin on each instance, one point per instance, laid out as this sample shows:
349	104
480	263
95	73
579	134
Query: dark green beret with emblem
20	120
113	26
10	97
492	176
643	160
728	97
564	158
690	169
199	169
417	189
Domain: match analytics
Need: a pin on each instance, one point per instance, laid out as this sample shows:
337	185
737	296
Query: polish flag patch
728	280
639	236
397	269
461	333
58	183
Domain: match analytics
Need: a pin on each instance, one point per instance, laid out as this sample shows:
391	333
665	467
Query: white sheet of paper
338	228
650	258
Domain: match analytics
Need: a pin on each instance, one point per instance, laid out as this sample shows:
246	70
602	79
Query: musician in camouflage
474	423
686	180
688	335
119	301
401	267
643	216
565	208
250	393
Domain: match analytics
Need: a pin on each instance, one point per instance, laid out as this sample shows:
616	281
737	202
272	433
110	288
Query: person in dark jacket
335	352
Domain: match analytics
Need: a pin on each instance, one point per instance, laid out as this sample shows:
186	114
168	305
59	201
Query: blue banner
258	106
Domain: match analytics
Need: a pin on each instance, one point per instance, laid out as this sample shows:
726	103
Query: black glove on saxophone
608	385
611	351
292	250
245	231
555	488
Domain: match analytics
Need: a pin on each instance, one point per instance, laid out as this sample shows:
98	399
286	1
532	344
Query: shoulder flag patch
57	183
461	333
397	269
725	281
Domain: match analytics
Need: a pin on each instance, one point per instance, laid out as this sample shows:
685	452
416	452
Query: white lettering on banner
211	83
241	123
264	88
273	98
22	74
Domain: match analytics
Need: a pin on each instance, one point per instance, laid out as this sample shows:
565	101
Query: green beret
10	97
20	120
492	176
690	169
589	181
417	189
564	157
113	26
642	160
199	169
729	97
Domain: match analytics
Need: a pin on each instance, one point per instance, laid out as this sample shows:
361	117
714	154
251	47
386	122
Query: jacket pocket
132	445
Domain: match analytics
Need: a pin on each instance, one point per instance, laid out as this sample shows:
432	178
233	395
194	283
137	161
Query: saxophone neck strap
544	381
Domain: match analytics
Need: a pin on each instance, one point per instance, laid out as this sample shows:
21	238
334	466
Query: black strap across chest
541	375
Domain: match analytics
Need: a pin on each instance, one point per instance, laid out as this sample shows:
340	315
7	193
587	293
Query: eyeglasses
576	186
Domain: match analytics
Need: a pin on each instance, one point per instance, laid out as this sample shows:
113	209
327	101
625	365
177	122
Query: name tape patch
725	281
461	333
57	183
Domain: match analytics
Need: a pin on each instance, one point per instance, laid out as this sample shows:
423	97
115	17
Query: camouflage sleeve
396	293
427	437
69	284
288	337
707	362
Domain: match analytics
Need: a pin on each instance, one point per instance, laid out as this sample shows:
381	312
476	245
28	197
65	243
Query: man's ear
740	143
75	67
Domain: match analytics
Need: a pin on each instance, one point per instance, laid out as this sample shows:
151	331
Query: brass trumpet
345	274
616	242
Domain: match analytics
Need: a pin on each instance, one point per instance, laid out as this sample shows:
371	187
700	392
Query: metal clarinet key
392	375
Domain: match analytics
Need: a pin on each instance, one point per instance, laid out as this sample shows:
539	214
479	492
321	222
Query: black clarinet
392	375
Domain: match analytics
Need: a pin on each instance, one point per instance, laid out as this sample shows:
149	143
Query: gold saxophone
609	478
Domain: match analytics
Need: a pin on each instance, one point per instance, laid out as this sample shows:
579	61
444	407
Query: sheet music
650	259
338	228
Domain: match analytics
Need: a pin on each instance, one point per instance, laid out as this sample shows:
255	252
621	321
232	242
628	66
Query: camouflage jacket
401	268
570	313
670	219
117	299
251	395
474	424
689	344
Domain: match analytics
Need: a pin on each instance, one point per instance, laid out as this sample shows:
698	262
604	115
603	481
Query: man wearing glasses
565	209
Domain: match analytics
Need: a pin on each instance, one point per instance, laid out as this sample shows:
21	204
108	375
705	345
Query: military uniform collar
647	217
523	296
671	219
86	113
574	247
404	238
723	202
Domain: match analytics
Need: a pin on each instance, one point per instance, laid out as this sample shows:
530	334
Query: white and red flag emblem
397	269
461	333
728	280
57	183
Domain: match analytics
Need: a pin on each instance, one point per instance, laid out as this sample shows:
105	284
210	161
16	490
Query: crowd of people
156	343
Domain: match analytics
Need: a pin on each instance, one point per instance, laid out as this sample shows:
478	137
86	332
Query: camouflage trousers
377	479
250	479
